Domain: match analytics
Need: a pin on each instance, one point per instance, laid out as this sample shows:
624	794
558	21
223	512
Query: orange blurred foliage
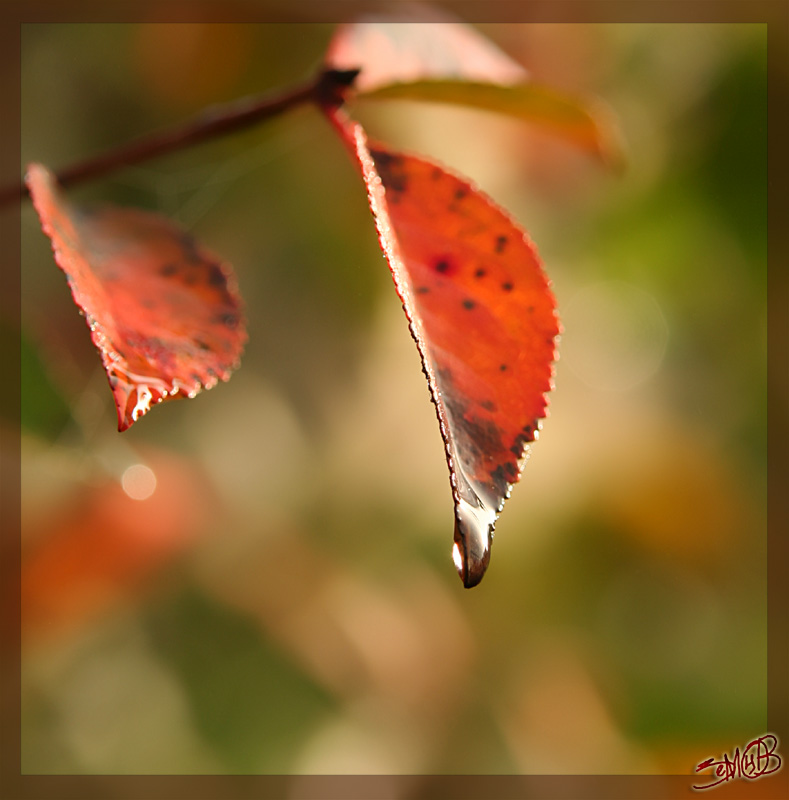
100	546
183	65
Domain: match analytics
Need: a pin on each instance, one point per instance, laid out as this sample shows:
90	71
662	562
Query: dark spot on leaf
469	304
501	243
503	476
437	174
87	212
499	481
480	273
524	437
444	374
520	443
390	168
530	309
454	405
189	246
422	289
196	378
202	345
502	367
168	269
488	405
215	275
507	286
228	319
443	266
384	160
477	439
460	193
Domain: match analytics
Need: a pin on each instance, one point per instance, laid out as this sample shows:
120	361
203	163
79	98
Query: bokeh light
138	481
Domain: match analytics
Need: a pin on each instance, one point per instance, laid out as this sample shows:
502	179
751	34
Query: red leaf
482	315
163	312
391	52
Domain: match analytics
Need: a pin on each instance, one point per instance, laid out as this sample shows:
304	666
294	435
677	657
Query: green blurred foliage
256	720
319	626
44	410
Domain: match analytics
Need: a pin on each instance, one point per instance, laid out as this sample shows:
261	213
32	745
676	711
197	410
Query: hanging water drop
473	540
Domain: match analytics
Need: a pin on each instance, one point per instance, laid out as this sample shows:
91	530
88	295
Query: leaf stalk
327	88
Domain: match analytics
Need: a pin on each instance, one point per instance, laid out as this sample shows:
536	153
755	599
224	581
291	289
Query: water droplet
143	404
457	558
135	392
473	538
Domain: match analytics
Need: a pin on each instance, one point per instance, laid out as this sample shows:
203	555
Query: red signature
759	758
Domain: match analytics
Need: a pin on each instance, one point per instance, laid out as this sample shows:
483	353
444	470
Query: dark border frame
775	13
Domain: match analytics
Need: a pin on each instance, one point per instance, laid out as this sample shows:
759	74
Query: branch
327	88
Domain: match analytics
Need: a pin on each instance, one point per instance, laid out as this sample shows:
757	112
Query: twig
326	88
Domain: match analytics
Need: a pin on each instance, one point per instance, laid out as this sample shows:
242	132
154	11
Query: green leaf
585	122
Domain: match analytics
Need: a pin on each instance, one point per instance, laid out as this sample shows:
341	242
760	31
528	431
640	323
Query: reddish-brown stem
326	88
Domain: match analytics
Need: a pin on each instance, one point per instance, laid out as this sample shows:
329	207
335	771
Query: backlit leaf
585	122
483	317
441	61
163	312
390	52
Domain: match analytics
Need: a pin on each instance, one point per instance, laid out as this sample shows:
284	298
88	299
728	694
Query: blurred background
259	580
